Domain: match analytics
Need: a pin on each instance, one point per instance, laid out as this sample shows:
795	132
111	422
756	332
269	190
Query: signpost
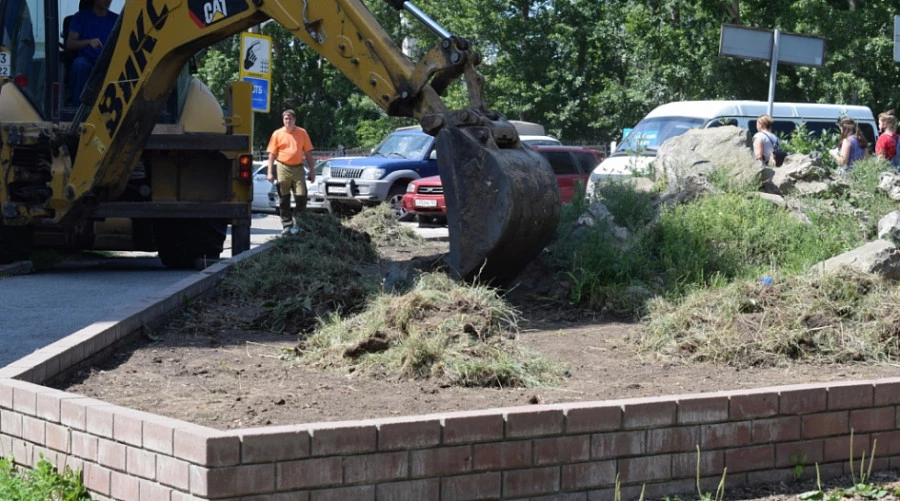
897	39
256	68
773	46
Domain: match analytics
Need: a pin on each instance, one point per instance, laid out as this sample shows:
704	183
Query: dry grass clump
380	223
456	334
835	318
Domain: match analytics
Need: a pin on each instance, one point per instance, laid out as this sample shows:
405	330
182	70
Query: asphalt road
40	308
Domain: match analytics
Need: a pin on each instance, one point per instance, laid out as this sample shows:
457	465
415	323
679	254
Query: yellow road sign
256	55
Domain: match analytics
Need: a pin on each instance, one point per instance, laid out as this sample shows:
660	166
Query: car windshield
651	133
404	146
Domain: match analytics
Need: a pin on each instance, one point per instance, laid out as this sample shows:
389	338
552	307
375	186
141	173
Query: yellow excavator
146	159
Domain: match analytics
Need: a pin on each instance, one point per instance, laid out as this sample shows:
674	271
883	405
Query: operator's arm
271	172
73	42
311	162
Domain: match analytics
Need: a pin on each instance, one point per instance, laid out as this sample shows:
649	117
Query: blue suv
350	183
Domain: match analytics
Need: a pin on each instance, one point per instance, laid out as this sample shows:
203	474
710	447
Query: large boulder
686	162
879	257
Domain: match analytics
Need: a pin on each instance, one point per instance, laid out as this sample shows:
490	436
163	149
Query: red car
425	197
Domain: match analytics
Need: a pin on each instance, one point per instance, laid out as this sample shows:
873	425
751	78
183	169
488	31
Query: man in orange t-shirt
288	147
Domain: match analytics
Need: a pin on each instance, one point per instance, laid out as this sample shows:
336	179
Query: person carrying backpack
886	148
765	143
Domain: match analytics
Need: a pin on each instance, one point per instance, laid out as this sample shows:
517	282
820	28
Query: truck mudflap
502	204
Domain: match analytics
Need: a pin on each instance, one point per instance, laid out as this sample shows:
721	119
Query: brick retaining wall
561	452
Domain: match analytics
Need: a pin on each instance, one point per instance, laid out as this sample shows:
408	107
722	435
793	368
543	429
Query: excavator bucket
502	204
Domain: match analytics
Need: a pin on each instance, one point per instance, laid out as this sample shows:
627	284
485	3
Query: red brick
880	419
47	406
24	398
752	405
405	491
360	493
73	412
123	486
750	458
807	452
283	443
11	423
99	418
57	437
651	413
97	478
284	496
593	419
716	436
33	430
441	461
128	427
234	480
112	454
645	468
888	443
534	421
173	472
562	450
460	428
778	429
702	409
802	400
151	491
320	472
84	445
853	395
826	424
343	439
591	475
501	455
613	445
685	465
480	486
409	434
530	482
681	439
838	448
206	447
6	395
665	489
887	393
376	467
159	435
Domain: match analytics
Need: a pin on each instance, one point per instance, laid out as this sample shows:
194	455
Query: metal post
773	72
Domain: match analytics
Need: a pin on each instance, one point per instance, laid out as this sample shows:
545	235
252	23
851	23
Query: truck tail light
245	168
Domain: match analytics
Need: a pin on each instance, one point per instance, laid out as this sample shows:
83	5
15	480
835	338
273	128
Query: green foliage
42	483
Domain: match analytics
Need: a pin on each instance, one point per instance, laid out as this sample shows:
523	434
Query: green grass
43	483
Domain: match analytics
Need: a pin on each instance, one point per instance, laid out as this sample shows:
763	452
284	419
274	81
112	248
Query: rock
879	257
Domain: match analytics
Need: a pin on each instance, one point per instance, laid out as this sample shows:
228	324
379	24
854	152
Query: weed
42	483
798	460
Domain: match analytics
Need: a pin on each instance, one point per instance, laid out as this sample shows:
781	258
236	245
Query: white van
636	152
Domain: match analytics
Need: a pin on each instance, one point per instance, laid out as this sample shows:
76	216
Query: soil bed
203	367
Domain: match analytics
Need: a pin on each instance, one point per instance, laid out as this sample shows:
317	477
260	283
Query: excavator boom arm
155	38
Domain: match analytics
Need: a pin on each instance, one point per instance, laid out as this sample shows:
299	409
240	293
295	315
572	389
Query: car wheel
395	200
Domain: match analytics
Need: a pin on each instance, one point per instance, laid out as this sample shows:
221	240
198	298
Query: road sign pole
773	72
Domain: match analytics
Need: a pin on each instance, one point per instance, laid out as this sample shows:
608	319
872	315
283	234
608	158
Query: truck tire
180	242
15	243
395	200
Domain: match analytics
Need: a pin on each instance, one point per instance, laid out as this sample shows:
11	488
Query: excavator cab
502	200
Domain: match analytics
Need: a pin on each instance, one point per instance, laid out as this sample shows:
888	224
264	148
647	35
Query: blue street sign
259	98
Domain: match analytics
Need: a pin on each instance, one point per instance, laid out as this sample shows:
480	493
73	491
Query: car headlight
410	188
326	171
372	173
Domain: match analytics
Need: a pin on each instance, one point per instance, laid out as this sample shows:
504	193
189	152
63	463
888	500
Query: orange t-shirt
289	147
